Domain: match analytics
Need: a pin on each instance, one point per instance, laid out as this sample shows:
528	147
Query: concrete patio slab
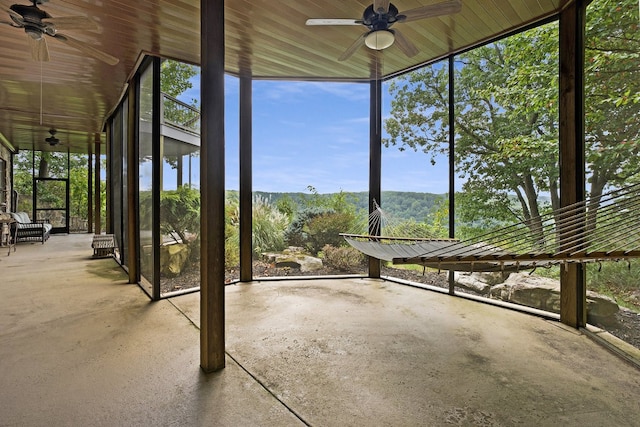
372	352
80	346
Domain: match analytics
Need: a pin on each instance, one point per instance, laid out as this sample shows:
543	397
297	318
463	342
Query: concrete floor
79	346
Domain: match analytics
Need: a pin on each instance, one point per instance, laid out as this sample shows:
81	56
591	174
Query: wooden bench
103	245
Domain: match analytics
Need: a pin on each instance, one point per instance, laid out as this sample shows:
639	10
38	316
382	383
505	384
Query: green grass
619	280
413	267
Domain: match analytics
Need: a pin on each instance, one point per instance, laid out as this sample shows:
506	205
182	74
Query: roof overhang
264	39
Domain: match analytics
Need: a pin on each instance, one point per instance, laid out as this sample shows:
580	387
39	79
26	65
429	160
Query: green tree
180	214
612	87
506	115
50	164
287	206
321	220
175	79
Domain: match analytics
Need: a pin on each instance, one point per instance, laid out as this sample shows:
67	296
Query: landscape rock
544	293
601	309
173	259
472	282
295	258
532	291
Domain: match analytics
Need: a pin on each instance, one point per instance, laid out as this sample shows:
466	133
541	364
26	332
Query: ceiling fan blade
39	49
352	49
405	45
330	21
430	11
381	6
85	48
15	16
72	23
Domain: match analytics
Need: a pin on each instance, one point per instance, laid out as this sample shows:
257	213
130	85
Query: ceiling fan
52	140
37	23
380	16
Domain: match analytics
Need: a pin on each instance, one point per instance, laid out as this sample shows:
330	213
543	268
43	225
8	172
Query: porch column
572	151
375	159
96	198
133	256
179	169
156	176
108	219
90	187
246	189
212	189
452	166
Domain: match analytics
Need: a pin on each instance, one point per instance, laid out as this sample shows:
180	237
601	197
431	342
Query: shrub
180	213
231	233
269	225
296	234
343	258
325	229
618	280
179	216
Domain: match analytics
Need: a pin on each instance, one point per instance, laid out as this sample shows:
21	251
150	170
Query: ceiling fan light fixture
379	39
34	33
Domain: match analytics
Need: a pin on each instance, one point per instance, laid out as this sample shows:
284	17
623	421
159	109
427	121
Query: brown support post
246	189
108	220
90	188
452	166
375	160
161	163
179	170
572	152
133	257
97	198
157	155
212	355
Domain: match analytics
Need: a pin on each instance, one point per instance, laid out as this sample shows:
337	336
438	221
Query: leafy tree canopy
506	114
175	77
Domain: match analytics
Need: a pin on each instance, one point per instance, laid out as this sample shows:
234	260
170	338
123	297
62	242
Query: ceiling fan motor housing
52	140
32	18
30	14
376	21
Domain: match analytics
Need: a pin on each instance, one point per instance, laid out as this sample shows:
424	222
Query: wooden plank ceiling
74	93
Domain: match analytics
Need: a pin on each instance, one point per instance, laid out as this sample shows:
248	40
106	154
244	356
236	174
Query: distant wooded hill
399	205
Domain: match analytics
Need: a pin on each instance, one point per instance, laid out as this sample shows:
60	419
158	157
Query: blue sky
317	134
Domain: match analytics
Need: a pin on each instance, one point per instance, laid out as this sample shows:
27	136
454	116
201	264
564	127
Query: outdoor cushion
28	230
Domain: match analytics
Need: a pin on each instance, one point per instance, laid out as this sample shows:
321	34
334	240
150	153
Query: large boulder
295	258
601	309
173	259
544	293
474	282
532	291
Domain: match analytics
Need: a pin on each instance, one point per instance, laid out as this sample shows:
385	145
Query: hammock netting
572	234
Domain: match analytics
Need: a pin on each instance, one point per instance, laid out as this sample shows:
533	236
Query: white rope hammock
564	236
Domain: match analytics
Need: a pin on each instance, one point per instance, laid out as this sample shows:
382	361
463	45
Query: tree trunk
593	206
555	194
534	222
43	167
